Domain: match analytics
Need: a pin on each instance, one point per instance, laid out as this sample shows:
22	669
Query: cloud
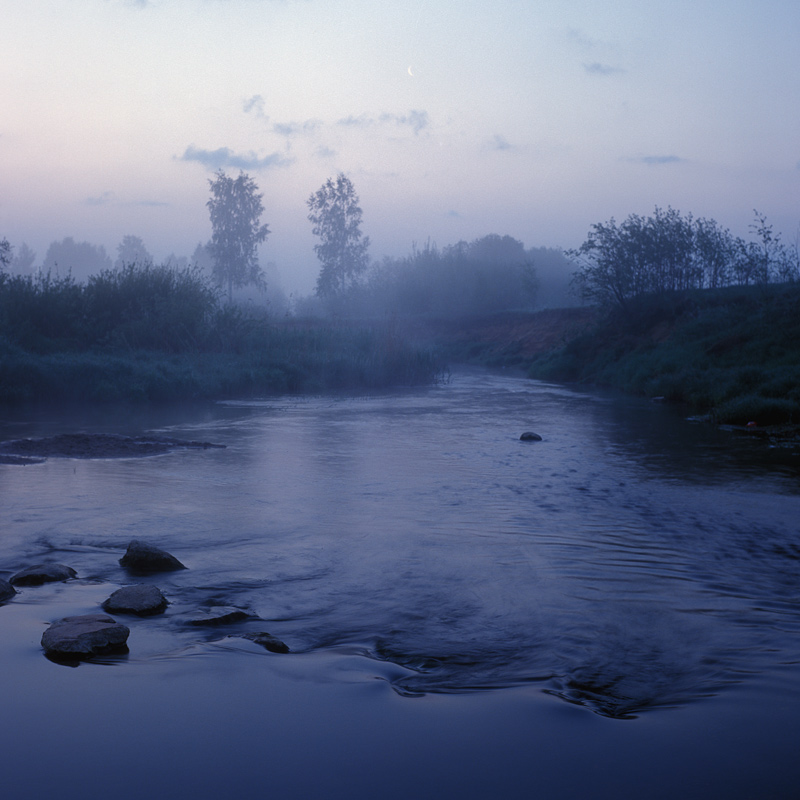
657	160
290	129
597	68
361	121
415	119
225	157
255	105
325	152
101	200
148	203
454	214
499	144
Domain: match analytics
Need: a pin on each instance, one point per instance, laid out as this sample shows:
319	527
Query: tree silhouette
235	208
336	216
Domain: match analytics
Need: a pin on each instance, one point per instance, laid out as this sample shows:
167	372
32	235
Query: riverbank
732	355
269	359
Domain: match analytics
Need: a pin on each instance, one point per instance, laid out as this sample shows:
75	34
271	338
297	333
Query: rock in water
267	641
6	590
43	573
143	558
145	601
219	615
530	436
83	636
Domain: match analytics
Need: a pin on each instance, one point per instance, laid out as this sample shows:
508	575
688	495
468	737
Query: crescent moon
410	72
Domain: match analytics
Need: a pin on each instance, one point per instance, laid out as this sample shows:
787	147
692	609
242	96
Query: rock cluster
72	639
530	436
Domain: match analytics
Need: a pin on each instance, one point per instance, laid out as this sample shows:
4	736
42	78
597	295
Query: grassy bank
314	361
152	333
733	353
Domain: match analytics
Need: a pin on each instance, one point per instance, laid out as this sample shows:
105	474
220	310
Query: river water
613	609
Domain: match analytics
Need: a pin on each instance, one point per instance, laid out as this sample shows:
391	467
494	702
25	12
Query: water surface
438	581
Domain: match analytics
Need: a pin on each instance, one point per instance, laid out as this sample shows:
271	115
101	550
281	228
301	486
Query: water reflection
629	561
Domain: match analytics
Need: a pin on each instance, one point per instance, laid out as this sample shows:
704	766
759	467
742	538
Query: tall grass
156	333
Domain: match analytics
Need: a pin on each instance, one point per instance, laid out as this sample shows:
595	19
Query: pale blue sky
453	118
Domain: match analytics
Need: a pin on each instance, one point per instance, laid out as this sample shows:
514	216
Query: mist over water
630	561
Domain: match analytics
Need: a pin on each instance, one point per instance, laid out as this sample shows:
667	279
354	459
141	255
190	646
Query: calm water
622	598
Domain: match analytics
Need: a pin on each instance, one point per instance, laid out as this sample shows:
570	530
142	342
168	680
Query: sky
454	119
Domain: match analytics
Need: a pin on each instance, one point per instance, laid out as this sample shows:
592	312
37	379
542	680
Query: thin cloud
361	121
148	203
415	119
658	160
291	129
596	68
325	152
255	105
454	214
225	157
499	144
101	200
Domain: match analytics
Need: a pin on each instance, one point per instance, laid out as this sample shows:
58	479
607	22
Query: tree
5	253
22	263
235	208
80	259
336	216
131	250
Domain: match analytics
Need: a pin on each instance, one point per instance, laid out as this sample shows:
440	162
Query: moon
410	72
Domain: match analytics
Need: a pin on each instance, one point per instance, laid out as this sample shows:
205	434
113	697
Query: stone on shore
83	636
6	590
43	573
530	436
267	641
144	601
142	558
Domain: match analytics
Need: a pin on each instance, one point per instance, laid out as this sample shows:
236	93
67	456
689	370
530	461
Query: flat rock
142	558
267	641
530	436
43	573
84	636
219	615
6	590
144	601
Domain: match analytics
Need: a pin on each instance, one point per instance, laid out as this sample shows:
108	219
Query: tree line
670	252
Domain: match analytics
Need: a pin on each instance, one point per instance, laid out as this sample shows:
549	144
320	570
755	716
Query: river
613	610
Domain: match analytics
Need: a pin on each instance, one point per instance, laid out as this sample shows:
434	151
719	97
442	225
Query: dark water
444	589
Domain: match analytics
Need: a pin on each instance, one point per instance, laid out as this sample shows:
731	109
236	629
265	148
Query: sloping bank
731	354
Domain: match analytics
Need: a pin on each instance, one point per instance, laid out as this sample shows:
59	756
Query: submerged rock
142	558
220	615
6	590
43	573
84	636
267	641
96	445
530	436
144	601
